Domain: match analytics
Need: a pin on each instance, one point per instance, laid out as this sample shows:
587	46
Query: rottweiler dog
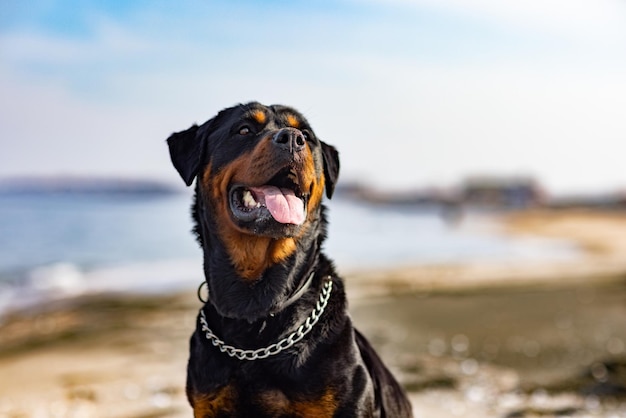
274	338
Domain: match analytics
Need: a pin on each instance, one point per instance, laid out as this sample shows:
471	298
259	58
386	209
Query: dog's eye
307	135
244	130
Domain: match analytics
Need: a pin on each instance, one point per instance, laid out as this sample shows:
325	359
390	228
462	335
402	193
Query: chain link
281	345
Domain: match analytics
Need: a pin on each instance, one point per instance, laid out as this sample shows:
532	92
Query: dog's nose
289	139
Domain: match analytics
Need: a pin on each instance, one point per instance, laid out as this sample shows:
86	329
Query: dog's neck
301	330
296	295
277	287
247	335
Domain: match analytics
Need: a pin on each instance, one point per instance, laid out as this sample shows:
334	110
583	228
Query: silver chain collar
281	345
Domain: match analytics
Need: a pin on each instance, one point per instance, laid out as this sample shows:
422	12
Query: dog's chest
276	403
228	401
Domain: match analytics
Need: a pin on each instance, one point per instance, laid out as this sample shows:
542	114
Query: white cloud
108	40
583	20
579	18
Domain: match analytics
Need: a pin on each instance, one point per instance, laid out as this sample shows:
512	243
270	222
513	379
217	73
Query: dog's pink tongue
283	204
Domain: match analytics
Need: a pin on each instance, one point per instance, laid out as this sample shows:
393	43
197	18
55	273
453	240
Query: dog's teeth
248	200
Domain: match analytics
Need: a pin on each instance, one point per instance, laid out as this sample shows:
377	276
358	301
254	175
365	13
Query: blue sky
412	92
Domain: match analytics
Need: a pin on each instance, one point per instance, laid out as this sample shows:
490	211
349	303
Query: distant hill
84	185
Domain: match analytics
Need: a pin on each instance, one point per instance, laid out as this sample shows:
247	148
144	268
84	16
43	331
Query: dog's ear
185	152
331	167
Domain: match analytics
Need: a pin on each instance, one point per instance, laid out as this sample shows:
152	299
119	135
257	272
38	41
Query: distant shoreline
70	185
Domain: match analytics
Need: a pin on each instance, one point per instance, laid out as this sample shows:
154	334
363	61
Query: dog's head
261	174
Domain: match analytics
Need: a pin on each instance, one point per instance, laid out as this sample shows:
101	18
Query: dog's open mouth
281	198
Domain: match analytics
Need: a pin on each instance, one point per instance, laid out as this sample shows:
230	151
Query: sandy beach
536	339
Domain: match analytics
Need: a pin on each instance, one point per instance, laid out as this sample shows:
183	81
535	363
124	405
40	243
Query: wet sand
467	340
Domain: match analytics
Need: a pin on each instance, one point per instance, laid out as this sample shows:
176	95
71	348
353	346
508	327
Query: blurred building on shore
502	192
490	192
487	192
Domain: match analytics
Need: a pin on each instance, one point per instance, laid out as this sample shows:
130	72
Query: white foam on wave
60	281
62	278
149	277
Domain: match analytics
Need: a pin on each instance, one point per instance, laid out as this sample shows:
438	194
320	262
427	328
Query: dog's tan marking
209	405
259	116
276	403
292	120
314	183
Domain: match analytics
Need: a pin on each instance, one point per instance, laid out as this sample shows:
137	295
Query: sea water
61	245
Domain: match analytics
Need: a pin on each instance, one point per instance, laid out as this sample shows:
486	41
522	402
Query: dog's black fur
255	265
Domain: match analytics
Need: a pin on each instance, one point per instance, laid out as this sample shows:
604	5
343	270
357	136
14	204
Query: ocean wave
63	280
